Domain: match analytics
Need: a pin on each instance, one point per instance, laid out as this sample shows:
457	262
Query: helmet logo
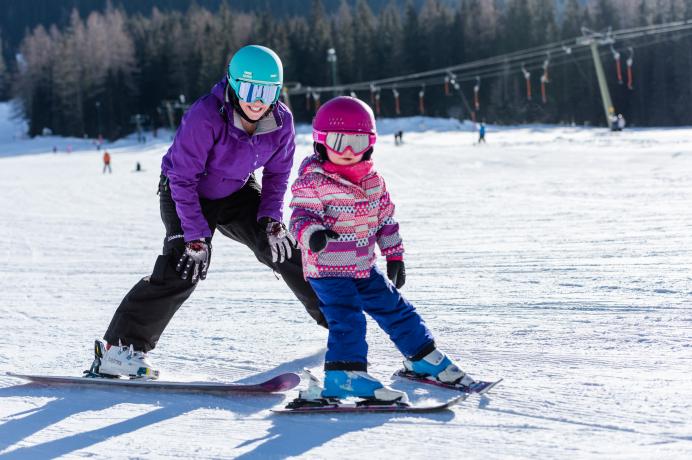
247	74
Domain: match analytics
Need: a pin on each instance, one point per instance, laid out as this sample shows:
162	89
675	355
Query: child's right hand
319	239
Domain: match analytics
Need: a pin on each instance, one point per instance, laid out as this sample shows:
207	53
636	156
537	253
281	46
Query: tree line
94	74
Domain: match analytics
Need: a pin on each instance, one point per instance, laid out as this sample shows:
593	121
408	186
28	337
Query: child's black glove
319	239
396	272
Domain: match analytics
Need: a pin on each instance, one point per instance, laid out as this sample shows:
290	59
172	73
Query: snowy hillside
557	258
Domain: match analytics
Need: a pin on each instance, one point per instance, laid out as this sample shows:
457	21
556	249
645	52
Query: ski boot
347	384
359	384
436	366
111	361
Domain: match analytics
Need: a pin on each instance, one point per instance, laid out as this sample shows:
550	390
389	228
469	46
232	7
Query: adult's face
255	110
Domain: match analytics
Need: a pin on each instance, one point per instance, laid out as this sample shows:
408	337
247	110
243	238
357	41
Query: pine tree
604	15
34	83
345	42
319	43
4	74
412	40
69	78
388	43
364	27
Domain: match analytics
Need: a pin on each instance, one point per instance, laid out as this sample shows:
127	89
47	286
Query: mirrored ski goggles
251	92
359	143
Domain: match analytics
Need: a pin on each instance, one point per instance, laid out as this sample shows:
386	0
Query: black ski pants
149	306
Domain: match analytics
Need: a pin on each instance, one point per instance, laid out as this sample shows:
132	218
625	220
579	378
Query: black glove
194	262
396	272
319	239
280	239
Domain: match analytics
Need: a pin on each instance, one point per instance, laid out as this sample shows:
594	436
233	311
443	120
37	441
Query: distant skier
398	138
107	162
621	122
481	133
341	208
207	183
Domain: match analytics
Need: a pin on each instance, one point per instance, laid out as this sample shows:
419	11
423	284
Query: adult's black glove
396	272
319	239
194	262
280	239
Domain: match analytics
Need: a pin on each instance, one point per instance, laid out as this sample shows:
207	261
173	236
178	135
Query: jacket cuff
196	236
395	257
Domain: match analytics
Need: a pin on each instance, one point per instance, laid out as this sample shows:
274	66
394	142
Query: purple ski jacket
212	157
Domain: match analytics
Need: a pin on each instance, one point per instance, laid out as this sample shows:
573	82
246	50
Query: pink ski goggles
359	143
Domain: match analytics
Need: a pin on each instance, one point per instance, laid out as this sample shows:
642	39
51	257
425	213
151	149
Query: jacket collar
312	164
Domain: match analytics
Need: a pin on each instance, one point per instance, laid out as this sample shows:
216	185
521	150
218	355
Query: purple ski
282	382
479	387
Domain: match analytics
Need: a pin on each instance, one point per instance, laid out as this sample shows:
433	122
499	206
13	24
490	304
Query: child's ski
300	406
282	382
479	387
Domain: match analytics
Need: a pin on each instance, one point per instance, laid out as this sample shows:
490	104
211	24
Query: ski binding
479	387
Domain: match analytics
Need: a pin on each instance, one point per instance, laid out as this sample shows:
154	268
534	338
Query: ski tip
283	382
489	387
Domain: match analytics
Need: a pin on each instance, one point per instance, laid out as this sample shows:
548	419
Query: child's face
345	158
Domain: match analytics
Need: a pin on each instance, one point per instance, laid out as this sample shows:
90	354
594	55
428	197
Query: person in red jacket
107	162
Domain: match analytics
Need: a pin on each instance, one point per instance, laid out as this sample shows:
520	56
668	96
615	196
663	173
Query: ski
282	382
479	387
299	406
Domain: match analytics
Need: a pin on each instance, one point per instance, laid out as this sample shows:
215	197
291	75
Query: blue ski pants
343	302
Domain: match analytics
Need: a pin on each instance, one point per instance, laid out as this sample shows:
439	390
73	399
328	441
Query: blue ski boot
438	367
359	384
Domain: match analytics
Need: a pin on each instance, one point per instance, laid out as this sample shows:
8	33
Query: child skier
341	208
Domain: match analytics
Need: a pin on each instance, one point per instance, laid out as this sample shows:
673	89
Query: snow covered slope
557	258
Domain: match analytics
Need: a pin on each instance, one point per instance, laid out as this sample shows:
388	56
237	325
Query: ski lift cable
460	78
497	62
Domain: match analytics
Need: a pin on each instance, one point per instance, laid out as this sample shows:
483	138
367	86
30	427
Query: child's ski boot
359	384
437	369
114	361
347	384
437	366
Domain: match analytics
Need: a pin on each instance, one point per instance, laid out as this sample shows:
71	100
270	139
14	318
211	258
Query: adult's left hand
280	240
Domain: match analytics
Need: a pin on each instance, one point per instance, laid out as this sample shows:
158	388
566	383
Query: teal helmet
255	64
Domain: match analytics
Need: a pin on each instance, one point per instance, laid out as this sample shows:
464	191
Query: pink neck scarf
353	173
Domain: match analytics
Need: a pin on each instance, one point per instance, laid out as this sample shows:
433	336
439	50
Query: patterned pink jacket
361	214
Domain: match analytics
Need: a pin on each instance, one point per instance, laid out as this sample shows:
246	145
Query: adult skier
207	183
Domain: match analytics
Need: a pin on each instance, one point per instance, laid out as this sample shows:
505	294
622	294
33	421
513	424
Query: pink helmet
342	123
345	114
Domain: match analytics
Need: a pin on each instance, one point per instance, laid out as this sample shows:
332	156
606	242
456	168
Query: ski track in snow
557	258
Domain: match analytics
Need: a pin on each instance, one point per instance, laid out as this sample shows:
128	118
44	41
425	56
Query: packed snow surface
557	258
